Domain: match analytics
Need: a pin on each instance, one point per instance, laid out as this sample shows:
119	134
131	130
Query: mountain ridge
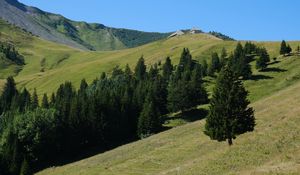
82	35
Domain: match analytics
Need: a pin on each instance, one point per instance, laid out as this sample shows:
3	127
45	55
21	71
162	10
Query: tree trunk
229	141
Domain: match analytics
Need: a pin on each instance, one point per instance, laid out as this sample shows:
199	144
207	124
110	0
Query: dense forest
123	106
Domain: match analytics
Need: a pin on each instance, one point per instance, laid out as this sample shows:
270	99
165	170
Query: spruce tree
45	102
140	69
262	59
8	93
167	69
229	113
149	120
283	48
215	64
204	69
35	100
298	49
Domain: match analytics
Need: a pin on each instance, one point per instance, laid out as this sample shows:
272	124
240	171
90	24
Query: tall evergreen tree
239	63
204	67
35	100
140	69
149	122
45	102
167	69
9	92
283	48
229	113
215	63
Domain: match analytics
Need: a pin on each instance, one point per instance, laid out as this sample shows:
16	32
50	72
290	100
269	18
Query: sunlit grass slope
49	64
273	148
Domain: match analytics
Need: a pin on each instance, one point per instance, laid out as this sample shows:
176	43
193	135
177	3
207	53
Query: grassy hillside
273	148
81	35
49	64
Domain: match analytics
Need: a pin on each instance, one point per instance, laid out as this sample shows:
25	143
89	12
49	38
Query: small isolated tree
262	59
229	113
288	49
283	48
298	49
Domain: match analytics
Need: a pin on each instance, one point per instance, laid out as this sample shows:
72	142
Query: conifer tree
9	92
45	102
229	113
167	69
283	48
298	49
239	63
288	49
35	100
149	122
140	69
262	59
215	63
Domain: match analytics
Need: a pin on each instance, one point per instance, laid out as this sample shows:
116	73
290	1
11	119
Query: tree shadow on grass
273	69
260	77
274	62
187	117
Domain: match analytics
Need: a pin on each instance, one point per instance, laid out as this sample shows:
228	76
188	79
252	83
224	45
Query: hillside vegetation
273	148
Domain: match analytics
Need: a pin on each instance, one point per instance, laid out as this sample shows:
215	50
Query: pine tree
140	69
45	103
283	48
229	113
35	100
215	64
263	59
167	69
239	63
149	122
8	93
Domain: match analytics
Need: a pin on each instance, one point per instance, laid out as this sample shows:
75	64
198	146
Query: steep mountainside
81	35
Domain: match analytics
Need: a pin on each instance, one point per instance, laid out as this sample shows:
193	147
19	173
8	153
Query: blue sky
240	19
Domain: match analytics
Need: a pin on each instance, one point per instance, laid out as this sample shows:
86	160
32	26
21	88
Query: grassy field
273	148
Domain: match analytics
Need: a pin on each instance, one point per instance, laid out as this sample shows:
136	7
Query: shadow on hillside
273	69
192	115
274	62
260	77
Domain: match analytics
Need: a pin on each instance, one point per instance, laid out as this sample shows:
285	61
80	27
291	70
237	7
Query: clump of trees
285	48
9	52
110	111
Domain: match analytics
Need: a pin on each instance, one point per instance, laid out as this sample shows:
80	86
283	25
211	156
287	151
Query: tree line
110	111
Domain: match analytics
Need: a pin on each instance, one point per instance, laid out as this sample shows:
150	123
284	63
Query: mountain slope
273	148
81	35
